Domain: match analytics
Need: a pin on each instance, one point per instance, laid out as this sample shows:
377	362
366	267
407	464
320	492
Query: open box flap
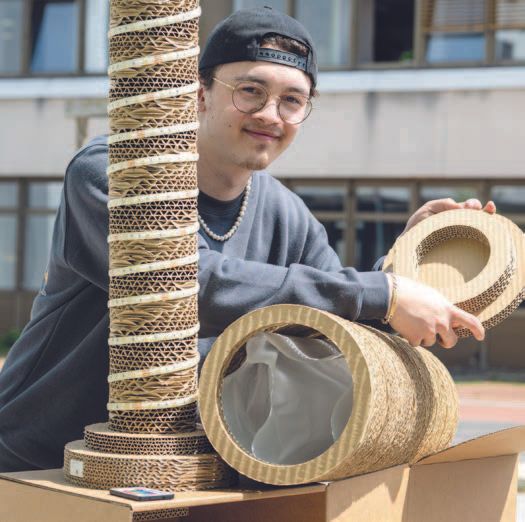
504	442
54	480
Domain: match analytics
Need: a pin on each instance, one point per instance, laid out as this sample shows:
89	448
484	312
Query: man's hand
439	205
424	316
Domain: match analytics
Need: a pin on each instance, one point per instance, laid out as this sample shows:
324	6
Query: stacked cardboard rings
404	401
151	438
475	259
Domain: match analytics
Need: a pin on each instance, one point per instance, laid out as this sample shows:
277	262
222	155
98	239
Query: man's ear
201	99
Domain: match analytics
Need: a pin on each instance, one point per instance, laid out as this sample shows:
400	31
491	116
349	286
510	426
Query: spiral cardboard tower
475	259
360	400
151	438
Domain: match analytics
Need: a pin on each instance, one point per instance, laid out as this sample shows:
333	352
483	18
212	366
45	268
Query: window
8	237
43	201
509	199
382	199
385	30
328	23
457	193
54	36
11	16
455	30
96	41
510	30
373	240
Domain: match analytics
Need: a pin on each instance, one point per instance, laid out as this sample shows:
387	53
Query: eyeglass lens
250	97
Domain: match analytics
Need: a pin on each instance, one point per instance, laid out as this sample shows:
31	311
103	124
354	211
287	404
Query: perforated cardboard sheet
475	481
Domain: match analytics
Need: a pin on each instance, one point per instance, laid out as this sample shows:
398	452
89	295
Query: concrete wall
467	134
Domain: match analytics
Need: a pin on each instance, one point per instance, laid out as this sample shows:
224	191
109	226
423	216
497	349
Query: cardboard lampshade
404	400
475	259
151	438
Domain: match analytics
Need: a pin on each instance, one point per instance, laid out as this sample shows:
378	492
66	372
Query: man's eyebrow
256	79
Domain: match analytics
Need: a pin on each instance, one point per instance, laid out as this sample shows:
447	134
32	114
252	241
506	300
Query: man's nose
270	112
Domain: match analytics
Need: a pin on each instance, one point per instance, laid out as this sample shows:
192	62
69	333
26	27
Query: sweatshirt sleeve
231	287
87	217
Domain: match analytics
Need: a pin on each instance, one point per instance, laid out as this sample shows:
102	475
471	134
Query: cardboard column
151	438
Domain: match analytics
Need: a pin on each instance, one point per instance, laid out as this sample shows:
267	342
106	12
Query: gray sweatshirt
54	381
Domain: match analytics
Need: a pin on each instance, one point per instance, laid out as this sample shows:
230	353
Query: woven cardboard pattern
157	40
154	282
153	180
155	215
151	318
129	11
405	404
98	437
179	473
137	252
138	356
145	147
494	293
182	383
161	514
151	438
153	78
166	420
155	113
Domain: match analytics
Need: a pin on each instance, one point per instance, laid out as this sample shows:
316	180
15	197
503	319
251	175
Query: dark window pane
96	40
510	45
456	48
281	5
11	12
54	29
373	240
509	199
38	241
325	198
329	24
7	252
335	231
386	30
8	194
45	194
382	199
462	193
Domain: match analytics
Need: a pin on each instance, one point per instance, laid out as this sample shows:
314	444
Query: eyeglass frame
268	95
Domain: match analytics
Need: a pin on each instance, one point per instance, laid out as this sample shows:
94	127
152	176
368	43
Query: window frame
22	211
25	35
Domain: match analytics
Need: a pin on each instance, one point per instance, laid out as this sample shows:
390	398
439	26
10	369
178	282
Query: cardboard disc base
98	437
92	469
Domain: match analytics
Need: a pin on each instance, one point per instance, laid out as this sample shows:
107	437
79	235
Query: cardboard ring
218	361
505	298
435	232
389	422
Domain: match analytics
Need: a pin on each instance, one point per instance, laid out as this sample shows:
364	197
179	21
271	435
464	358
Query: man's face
250	141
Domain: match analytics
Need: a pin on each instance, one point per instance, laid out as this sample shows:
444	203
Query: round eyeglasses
250	97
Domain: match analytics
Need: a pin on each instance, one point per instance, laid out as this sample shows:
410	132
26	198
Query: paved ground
487	407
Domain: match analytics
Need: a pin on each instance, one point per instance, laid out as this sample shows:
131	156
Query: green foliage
7	340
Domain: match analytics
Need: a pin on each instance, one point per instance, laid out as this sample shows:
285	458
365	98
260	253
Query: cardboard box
475	481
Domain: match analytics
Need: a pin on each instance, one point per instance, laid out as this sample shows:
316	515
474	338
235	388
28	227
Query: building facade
419	99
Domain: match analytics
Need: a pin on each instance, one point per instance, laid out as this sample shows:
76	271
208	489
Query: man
259	245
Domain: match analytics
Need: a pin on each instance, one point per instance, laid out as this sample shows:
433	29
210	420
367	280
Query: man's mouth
262	135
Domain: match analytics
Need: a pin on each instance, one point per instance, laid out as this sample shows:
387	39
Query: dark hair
276	41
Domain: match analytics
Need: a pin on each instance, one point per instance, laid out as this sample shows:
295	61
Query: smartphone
139	493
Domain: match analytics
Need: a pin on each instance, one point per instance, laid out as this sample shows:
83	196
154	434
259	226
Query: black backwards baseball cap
238	37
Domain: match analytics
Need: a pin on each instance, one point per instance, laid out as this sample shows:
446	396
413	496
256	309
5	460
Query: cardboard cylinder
400	395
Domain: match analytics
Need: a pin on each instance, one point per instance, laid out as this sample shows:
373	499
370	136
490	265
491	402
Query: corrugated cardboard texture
482	490
468	489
